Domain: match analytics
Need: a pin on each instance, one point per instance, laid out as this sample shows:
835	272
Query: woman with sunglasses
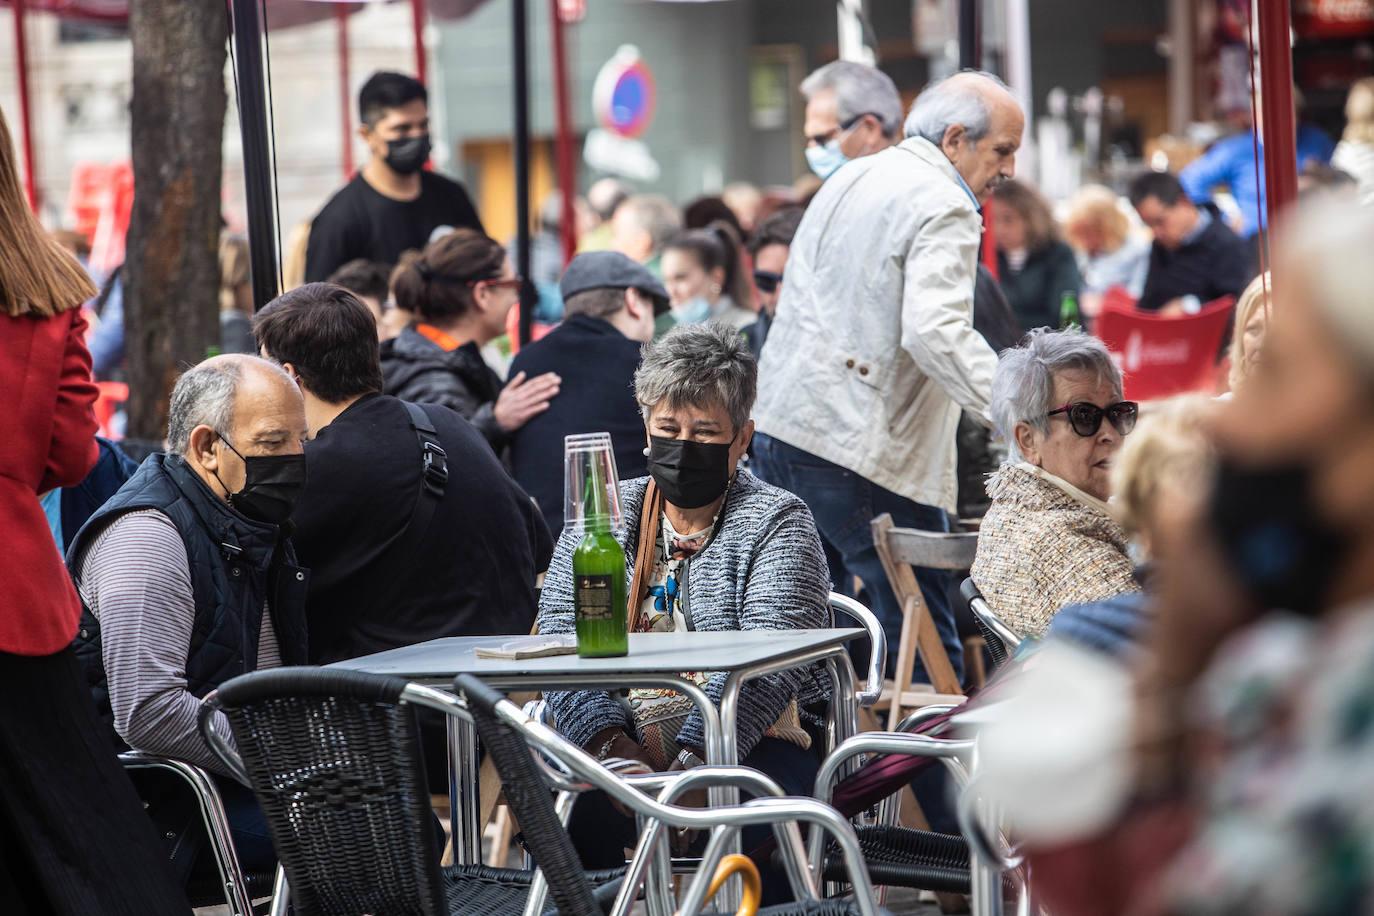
460	289
1048	538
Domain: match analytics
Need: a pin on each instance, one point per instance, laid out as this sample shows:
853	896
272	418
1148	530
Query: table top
650	653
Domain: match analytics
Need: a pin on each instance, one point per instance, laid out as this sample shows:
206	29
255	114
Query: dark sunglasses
1086	419
767	281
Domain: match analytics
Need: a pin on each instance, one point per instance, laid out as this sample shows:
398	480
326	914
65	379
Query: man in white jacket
873	353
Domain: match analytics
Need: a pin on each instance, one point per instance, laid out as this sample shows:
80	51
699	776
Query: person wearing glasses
852	110
769	246
1049	538
460	289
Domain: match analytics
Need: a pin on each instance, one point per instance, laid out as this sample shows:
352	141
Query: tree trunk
171	270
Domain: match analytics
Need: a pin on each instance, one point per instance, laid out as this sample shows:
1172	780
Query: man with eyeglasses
852	110
873	351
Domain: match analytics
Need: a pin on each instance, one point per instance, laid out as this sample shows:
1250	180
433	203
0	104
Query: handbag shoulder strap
649	511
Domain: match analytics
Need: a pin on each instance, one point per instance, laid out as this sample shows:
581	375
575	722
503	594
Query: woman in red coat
73	835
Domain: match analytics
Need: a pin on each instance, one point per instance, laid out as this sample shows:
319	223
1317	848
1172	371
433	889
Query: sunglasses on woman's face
767	281
1086	419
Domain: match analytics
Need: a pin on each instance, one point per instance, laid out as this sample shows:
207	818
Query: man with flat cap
610	303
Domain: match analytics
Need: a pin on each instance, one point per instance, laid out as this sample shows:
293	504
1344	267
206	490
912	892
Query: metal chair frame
723	822
212	814
872	690
569	770
988	858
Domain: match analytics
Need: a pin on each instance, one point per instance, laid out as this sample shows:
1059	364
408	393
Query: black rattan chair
1001	639
905	857
333	758
544	833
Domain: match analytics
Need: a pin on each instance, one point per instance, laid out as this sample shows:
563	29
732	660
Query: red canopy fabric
281	14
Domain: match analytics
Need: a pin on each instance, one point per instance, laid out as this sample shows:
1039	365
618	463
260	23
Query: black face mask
1271	535
271	485
690	474
407	156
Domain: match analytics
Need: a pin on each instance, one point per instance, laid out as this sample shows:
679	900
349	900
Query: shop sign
1333	18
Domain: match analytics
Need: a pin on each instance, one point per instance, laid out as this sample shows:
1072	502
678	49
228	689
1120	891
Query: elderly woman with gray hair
708	547
1048	538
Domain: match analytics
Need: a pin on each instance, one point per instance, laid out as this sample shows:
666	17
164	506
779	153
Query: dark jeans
844	506
252	843
601	833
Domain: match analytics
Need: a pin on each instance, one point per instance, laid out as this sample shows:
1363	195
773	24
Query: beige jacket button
849	364
863	370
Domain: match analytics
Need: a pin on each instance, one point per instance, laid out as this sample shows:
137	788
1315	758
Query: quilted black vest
236	564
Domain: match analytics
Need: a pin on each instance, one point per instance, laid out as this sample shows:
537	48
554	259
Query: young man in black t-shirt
393	204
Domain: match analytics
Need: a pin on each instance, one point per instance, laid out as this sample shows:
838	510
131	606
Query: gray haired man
187	577
873	352
852	110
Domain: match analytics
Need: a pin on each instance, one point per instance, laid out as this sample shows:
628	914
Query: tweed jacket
1041	547
762	569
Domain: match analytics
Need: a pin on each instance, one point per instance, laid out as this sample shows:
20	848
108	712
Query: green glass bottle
1069	316
599	592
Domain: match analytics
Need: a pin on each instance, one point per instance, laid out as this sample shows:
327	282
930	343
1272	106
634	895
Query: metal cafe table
654	660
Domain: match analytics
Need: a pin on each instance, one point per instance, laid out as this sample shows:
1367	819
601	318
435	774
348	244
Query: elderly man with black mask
187	578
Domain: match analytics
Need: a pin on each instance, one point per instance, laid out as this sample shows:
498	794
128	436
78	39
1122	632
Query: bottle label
593	598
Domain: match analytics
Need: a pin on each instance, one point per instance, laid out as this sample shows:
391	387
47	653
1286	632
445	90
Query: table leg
464	797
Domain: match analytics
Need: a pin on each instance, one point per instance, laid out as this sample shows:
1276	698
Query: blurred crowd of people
910	333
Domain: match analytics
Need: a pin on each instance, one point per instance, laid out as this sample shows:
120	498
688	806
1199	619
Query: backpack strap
433	479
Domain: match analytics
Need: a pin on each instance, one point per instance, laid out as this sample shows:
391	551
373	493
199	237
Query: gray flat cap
611	270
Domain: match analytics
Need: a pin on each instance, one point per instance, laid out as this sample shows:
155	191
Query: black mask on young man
1272	536
271	485
690	474
409	155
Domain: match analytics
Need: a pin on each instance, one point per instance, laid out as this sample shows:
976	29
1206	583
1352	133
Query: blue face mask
694	311
824	160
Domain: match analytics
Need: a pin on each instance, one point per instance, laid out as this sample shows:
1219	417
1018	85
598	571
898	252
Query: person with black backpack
410	526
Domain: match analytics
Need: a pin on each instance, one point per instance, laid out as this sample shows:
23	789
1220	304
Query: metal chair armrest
212	816
919	717
877	638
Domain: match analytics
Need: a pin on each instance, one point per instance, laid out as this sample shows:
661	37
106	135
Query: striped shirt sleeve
136	580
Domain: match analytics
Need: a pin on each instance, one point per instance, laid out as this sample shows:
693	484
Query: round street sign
623	94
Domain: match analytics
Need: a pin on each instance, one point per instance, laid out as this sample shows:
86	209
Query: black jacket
597	364
236	565
373	584
1217	263
416	369
1036	291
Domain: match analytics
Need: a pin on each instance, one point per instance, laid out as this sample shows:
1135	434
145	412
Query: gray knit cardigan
762	569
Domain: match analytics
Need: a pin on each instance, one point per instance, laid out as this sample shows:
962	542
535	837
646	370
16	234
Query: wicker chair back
333	757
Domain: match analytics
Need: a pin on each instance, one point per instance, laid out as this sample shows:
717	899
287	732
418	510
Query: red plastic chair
107	402
1159	356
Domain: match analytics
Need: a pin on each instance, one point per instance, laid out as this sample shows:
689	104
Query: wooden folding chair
900	549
